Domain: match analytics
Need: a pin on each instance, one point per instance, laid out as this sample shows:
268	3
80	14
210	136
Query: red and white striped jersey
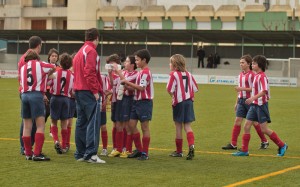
33	76
245	80
144	79
182	85
131	77
106	86
260	84
115	87
62	84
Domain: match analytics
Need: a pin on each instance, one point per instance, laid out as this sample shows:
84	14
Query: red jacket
86	64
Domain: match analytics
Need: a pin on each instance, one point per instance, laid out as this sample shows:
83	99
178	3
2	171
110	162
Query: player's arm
239	89
133	85
260	94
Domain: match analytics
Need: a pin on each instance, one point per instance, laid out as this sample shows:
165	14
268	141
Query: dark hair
34	41
65	61
248	59
50	53
143	54
113	58
132	60
91	34
261	62
31	55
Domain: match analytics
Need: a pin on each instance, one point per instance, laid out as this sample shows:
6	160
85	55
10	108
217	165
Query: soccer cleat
175	154
40	157
58	148
143	157
96	160
264	145
104	152
282	150
124	154
135	154
191	154
28	157
114	153
65	150
229	147
240	153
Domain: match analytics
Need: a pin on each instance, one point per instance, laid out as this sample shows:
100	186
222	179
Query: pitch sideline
264	176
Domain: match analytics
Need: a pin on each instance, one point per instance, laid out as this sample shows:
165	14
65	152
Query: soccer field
211	166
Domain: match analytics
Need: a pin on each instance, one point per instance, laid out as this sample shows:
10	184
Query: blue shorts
32	105
113	111
142	110
124	108
183	112
59	107
242	108
72	107
103	118
259	113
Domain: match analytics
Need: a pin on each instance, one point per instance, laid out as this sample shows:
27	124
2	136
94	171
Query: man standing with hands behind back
88	87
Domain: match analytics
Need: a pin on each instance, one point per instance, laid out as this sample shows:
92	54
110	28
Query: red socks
245	142
114	131
137	141
64	137
146	142
39	142
190	138
276	140
260	133
69	129
104	138
119	141
54	132
235	134
129	143
178	145
27	145
124	137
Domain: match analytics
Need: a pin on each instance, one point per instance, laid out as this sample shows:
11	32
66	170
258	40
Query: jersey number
63	81
186	83
29	77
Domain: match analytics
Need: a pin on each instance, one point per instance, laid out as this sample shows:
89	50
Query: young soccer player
33	78
259	110
106	92
142	105
35	44
114	78
129	74
61	90
182	86
53	57
244	89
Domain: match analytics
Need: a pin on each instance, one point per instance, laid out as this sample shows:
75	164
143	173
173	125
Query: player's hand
96	95
46	100
235	106
238	89
249	100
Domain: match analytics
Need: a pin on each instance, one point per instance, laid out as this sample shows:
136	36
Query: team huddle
76	84
52	89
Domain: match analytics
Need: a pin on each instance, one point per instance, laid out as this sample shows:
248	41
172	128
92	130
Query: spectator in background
216	60
210	61
201	55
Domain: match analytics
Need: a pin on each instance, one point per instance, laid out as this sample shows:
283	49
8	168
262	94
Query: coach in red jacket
88	87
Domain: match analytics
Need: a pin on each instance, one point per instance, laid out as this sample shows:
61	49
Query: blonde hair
178	62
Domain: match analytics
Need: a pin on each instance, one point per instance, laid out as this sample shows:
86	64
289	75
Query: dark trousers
201	60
